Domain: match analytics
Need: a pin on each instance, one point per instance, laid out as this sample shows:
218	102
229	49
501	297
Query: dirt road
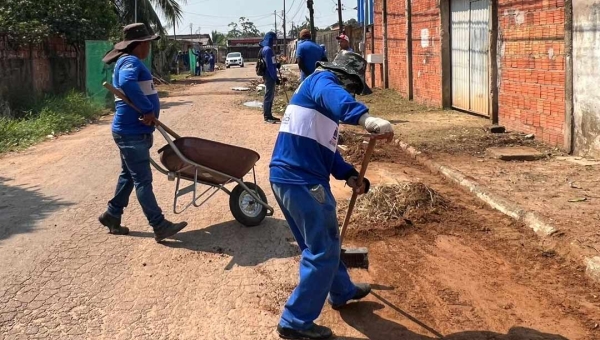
63	277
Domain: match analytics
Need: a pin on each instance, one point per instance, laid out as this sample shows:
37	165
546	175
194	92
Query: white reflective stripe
147	87
309	123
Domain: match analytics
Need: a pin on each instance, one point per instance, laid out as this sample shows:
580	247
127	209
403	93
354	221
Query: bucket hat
131	33
353	65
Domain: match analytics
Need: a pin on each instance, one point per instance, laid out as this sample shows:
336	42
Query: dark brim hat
137	32
352	64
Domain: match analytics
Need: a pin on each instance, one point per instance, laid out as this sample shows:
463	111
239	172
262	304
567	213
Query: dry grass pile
389	204
354	146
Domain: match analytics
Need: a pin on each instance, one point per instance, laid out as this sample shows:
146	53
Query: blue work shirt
306	147
309	53
134	79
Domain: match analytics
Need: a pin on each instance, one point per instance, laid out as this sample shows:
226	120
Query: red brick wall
532	67
427	74
531	60
427	58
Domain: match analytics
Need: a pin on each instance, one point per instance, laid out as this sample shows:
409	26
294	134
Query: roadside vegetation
45	118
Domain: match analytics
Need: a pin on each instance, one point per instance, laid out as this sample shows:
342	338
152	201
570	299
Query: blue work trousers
135	173
269	96
311	214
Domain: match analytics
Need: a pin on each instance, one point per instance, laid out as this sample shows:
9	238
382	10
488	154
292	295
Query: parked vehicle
234	58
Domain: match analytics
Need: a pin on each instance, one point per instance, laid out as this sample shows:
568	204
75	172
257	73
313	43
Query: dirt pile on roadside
389	210
353	148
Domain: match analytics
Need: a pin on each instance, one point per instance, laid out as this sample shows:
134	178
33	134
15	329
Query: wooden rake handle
124	98
361	175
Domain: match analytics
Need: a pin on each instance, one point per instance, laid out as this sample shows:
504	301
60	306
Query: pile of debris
353	147
394	204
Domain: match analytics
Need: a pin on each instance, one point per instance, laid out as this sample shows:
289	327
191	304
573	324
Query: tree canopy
32	21
244	28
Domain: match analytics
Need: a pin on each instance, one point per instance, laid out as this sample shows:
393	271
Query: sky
209	15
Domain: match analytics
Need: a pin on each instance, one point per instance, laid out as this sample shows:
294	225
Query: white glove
375	125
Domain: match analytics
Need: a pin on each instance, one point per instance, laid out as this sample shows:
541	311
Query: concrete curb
538	224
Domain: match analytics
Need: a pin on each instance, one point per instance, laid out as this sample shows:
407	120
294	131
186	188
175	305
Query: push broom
359	257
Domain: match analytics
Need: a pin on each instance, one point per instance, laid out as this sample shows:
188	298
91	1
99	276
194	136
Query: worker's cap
352	65
343	37
305	33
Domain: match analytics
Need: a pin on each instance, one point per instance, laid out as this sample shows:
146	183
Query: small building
249	47
194	41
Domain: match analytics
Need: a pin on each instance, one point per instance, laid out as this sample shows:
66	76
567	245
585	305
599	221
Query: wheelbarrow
214	165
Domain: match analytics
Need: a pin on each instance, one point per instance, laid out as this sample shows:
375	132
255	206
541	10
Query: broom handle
124	98
359	182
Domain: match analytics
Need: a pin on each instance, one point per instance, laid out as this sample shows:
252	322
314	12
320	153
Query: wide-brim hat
137	32
352	64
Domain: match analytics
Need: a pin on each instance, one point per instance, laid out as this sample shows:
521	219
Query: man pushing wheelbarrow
134	136
304	158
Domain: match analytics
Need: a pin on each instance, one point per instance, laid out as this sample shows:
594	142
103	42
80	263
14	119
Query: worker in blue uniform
132	133
304	158
307	54
270	76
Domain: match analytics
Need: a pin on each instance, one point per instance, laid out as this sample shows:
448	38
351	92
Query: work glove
366	185
375	125
278	81
352	178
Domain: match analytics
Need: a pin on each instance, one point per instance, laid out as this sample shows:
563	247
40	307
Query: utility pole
135	11
365	21
284	32
175	37
340	21
276	40
311	12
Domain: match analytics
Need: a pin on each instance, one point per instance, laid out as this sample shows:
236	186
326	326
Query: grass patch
49	116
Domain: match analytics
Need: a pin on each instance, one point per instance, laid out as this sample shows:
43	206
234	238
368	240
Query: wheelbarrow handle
124	98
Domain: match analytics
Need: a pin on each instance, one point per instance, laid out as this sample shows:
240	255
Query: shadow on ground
21	207
248	247
362	317
167	105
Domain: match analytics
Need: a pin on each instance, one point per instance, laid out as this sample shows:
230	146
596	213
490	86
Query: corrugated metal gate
470	48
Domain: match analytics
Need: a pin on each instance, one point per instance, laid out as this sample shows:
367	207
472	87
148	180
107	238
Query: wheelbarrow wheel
244	207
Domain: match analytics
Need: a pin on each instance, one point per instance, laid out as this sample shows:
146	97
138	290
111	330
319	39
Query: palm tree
169	10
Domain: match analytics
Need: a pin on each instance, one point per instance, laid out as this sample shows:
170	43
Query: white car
234	58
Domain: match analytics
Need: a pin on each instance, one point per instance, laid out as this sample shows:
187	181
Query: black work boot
272	120
315	332
113	224
362	290
167	229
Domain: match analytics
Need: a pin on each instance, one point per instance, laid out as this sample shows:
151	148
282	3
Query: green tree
32	21
219	38
248	28
147	13
243	29
234	30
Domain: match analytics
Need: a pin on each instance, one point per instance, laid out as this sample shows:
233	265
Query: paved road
62	276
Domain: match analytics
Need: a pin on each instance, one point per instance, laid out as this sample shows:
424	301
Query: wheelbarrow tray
232	161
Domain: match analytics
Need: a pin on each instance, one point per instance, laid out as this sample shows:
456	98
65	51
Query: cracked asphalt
63	277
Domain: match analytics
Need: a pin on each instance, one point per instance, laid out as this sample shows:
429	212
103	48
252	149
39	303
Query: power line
223	17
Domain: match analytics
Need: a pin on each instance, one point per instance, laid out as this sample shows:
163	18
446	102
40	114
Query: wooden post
386	82
493	65
409	50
